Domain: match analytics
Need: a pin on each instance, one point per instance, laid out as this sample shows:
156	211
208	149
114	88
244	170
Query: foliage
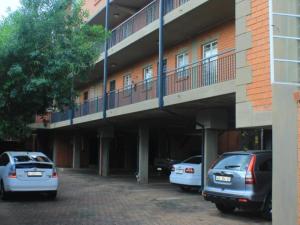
44	46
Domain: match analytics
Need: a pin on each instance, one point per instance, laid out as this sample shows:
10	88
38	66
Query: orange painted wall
224	34
259	92
93	6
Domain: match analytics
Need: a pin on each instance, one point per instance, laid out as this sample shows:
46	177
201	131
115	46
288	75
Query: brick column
297	99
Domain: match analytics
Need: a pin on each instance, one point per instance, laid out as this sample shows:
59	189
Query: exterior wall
254	92
93	6
224	34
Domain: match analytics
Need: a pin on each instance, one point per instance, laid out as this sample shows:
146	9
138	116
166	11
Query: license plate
34	174
159	169
223	178
179	171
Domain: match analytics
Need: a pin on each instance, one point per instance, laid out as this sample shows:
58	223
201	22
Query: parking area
85	198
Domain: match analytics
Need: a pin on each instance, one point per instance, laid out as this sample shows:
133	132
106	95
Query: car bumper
234	200
15	185
189	181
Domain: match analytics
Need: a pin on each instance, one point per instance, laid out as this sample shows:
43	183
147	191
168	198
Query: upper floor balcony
216	74
136	37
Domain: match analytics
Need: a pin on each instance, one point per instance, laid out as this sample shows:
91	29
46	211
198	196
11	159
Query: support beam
105	69
210	149
76	151
106	135
104	156
161	55
143	155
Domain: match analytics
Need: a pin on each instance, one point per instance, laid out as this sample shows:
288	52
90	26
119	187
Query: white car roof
13	153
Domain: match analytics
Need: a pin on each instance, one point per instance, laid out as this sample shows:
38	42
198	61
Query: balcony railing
213	70
141	19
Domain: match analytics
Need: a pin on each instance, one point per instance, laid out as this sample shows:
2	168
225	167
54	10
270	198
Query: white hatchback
187	173
27	172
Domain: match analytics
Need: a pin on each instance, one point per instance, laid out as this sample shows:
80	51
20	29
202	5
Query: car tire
52	195
267	210
3	193
225	208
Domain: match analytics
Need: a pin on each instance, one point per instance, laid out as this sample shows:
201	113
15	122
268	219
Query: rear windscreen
233	162
40	158
22	158
33	165
194	160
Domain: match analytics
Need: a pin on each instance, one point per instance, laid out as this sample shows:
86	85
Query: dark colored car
241	180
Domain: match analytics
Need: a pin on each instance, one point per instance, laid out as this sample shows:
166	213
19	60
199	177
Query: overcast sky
4	4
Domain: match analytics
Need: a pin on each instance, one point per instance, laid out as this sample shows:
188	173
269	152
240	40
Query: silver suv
241	180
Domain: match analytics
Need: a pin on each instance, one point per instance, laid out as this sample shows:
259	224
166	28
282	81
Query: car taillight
173	169
189	170
54	173
250	176
12	172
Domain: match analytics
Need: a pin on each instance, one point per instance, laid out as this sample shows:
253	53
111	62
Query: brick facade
259	92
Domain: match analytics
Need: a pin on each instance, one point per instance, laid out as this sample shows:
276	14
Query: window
233	162
148	75
182	61
127	82
210	63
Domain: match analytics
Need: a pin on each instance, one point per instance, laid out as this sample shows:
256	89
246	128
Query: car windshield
193	160
40	158
233	162
22	158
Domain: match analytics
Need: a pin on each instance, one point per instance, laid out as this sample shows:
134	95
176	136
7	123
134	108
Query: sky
4	4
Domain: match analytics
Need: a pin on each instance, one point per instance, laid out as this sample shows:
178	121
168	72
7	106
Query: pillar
76	151
285	187
143	155
210	149
106	135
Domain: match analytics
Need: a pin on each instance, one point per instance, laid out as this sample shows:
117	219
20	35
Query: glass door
210	63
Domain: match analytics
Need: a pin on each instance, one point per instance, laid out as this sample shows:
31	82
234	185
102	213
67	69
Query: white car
187	173
27	172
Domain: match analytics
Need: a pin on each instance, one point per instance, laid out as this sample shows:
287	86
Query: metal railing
209	71
216	69
141	19
89	107
134	93
61	116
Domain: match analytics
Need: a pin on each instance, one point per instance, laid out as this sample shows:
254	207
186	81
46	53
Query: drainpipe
203	140
105	61
161	54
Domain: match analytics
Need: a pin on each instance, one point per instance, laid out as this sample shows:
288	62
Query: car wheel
52	195
3	193
225	208
267	210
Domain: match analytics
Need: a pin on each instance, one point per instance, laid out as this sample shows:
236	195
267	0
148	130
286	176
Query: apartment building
227	81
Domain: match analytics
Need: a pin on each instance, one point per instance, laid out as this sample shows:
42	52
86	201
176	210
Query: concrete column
210	149
143	155
106	135
76	151
54	153
285	188
104	156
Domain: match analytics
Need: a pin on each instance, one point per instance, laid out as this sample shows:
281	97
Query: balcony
205	73
140	31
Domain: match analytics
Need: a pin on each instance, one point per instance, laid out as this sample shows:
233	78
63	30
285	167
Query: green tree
44	46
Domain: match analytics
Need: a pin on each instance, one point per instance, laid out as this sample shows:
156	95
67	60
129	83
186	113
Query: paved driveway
86	199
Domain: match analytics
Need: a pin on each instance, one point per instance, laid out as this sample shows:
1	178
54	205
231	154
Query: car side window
266	165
